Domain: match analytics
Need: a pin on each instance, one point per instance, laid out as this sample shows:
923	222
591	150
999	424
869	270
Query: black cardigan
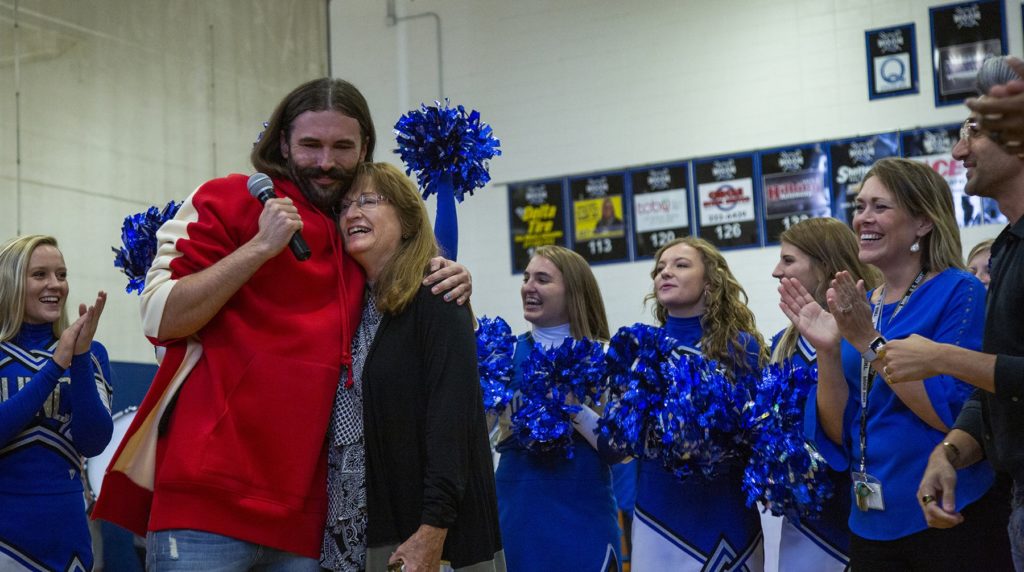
428	460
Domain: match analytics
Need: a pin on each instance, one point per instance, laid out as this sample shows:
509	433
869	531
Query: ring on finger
846	309
926	499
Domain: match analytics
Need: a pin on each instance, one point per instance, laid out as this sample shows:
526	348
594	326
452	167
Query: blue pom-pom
785	473
441	140
494	345
671	406
553	381
138	236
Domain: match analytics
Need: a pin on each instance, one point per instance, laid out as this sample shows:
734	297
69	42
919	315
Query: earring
916	247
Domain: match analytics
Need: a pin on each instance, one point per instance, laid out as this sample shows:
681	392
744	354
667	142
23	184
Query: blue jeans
195	550
1016	527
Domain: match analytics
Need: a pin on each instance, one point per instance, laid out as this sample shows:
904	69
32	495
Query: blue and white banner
661	206
727	213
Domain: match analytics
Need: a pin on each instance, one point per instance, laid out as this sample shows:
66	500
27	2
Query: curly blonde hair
726	314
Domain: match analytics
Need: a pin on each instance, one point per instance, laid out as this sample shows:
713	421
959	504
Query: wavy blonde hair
583	302
832	246
726	314
15	255
402	275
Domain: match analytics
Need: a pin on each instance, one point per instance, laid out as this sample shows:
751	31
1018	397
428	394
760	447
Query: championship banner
934	146
598	213
849	162
725	201
892	61
963	35
536	218
794	187
661	206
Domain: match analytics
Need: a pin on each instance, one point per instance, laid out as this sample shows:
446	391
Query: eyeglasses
366	202
970	130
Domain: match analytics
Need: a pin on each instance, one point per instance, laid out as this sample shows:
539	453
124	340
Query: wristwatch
874	349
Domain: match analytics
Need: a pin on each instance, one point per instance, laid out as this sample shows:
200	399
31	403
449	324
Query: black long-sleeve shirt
996	420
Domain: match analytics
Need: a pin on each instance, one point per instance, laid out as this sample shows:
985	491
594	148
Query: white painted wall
585	85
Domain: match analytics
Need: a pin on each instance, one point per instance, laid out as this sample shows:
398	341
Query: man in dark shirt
991	423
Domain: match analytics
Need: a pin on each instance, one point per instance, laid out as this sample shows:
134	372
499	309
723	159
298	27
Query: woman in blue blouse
812	252
558	513
49	417
699	524
883	433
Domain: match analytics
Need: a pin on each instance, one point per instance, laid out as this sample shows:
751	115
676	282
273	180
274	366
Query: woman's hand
451	278
422	551
67	343
847	301
91	315
810	319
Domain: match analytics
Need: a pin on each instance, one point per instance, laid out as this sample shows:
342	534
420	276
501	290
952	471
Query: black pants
979	543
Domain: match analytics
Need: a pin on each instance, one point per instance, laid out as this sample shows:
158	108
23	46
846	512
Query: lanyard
866	379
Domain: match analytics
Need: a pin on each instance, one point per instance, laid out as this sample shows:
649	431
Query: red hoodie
244	452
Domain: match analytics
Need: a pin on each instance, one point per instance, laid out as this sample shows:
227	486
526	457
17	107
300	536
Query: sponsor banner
794	187
849	161
892	61
661	206
599	217
536	218
725	202
963	35
934	146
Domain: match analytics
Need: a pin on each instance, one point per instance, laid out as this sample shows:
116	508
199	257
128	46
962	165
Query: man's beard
328	198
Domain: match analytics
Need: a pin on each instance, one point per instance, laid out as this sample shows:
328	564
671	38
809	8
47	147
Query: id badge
867	490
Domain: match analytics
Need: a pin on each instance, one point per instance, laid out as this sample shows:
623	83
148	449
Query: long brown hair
583	302
15	255
402	274
726	314
922	192
832	246
324	94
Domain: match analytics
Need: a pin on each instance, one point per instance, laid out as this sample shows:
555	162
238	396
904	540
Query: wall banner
849	162
934	146
661	206
599	217
536	218
795	187
727	214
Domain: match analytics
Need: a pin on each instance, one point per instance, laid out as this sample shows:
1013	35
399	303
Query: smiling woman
52	420
410	478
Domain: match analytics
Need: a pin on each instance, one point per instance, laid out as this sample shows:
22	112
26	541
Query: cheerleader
558	513
812	252
699	524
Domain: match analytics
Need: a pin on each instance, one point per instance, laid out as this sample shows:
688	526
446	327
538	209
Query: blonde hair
15	255
726	314
982	246
583	302
832	246
402	275
922	192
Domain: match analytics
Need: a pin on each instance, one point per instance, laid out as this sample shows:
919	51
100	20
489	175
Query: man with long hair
224	464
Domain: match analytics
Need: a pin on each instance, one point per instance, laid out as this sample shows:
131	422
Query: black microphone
262	188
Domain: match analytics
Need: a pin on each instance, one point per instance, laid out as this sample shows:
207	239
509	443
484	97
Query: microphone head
259	184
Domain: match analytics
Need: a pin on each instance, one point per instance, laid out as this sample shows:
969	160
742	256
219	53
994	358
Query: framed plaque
892	61
963	35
